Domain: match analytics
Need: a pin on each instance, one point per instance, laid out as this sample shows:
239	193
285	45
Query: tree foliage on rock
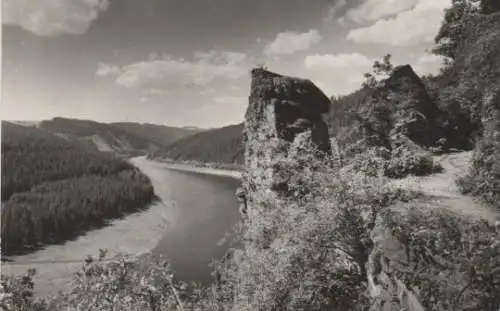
471	99
451	33
398	111
490	6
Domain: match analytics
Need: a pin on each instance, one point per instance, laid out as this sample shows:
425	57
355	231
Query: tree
451	33
380	70
490	6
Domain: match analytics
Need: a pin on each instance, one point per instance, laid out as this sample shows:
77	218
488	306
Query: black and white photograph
250	155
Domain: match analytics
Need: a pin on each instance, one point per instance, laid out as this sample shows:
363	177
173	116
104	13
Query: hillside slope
54	189
121	138
222	145
159	134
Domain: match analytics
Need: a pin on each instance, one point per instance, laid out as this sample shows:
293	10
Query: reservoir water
195	212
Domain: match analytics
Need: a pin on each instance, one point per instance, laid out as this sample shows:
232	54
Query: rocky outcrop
429	259
405	256
280	108
242	201
415	114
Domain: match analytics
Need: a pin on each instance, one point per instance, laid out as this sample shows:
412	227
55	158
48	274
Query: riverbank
135	233
56	264
197	168
180	225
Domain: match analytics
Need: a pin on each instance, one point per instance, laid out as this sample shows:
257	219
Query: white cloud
371	10
208	91
334	10
53	17
233	87
105	70
165	72
416	26
339	73
342	21
338	61
428	64
291	42
156	91
231	109
230	99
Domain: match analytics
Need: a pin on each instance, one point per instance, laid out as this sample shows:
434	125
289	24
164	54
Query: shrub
16	293
449	261
124	283
404	162
483	180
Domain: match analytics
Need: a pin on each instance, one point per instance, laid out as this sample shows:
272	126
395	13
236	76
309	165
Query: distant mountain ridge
221	145
122	138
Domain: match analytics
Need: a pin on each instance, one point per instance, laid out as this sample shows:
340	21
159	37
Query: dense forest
222	145
158	134
53	189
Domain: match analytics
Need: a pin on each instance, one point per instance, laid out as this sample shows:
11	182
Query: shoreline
57	264
199	170
136	233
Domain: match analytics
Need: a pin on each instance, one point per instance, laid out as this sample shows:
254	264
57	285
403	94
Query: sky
187	62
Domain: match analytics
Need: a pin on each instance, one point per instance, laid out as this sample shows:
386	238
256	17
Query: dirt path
443	191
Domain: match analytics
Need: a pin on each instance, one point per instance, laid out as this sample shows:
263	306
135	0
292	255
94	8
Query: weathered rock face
416	113
398	105
429	259
279	109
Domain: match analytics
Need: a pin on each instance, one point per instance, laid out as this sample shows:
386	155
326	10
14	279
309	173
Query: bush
449	262
121	283
483	180
405	162
16	293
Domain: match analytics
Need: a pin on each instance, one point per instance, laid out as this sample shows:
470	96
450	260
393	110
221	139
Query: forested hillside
53	188
127	138
159	134
222	145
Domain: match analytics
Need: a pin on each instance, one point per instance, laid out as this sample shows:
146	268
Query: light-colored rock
280	108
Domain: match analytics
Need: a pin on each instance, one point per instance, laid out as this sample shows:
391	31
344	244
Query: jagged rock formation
393	112
397	117
428	259
415	112
400	104
280	108
416	257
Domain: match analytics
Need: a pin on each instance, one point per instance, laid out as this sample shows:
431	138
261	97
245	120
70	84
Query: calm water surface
204	210
195	213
